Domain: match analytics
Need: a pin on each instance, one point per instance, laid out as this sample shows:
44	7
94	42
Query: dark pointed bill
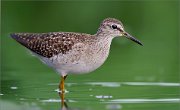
132	38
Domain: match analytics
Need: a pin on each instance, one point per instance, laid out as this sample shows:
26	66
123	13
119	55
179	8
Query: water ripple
151	83
105	84
169	100
118	84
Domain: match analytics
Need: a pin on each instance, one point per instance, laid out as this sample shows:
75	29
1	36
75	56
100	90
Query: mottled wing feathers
48	44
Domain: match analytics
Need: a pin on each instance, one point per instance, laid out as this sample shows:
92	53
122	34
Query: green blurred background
154	23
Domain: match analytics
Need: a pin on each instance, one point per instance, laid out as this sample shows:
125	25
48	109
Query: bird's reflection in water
64	105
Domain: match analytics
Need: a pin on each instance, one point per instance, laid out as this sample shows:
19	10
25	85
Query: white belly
76	64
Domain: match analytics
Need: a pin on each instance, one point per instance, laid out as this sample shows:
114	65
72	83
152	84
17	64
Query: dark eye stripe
120	30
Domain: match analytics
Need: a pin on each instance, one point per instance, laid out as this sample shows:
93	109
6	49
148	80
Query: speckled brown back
49	44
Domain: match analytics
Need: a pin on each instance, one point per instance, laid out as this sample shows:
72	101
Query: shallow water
84	95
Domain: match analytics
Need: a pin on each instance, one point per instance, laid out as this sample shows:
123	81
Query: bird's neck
103	42
104	37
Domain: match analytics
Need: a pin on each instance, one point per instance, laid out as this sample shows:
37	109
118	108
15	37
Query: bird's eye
114	26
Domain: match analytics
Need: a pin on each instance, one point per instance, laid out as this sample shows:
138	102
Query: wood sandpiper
75	53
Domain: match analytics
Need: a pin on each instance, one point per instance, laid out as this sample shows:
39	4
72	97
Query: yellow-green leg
61	85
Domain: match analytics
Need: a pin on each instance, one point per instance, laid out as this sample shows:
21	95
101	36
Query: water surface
83	95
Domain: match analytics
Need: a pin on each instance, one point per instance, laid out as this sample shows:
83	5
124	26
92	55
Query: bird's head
113	27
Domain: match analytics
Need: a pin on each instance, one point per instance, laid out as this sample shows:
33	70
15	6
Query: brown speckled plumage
49	44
